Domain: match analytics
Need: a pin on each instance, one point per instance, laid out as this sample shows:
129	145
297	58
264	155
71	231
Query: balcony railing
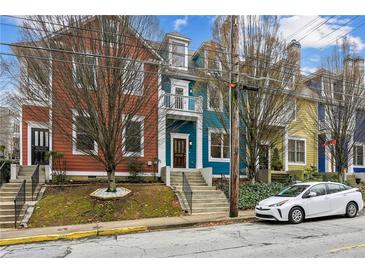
183	103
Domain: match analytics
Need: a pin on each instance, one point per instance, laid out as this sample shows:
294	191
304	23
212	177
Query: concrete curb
119	231
72	236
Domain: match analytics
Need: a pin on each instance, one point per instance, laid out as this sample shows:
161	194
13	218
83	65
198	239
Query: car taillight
359	190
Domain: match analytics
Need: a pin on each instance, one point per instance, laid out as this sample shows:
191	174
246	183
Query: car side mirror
312	194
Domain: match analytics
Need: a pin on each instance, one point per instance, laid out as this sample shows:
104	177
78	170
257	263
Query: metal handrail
183	102
35	180
19	201
188	193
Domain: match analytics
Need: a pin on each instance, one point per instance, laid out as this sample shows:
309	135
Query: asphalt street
325	237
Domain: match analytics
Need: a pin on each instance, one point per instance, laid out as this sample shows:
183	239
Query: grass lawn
73	205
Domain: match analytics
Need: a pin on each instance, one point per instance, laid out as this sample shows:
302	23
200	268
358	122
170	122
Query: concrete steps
205	199
9	190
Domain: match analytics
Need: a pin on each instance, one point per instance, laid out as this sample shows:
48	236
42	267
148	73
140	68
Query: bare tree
268	77
96	74
341	110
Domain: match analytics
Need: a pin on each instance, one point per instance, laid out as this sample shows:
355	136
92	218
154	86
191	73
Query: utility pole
234	121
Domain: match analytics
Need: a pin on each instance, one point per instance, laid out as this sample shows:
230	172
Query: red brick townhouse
39	132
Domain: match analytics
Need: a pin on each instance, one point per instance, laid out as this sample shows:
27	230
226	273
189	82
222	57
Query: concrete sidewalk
31	235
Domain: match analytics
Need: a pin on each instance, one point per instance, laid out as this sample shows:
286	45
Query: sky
317	34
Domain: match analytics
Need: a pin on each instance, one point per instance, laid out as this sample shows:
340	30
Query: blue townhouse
192	134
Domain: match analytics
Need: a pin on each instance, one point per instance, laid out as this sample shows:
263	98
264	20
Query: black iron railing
188	193
19	202
35	180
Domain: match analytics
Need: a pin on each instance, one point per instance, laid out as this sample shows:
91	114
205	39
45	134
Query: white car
310	200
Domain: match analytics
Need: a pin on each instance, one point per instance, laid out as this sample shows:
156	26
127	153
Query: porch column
161	125
286	144
327	157
350	160
199	142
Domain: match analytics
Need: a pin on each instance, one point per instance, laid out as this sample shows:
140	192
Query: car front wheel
351	210
296	215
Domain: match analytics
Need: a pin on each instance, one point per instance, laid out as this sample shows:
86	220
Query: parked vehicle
310	200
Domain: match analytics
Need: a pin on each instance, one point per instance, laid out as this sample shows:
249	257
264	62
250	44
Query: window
212	62
178	55
292	191
318	189
179	99
296	151
110	33
359	155
334	188
84	71
133	78
83	142
219	145
337	89
134	137
215	101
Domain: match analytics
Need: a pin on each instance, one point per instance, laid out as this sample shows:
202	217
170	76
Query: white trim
211	159
75	151
30	125
136	118
179	136
293	138
95	69
186	44
178	83
286	150
208	100
135	92
206	62
363	156
161	124
199	142
21	137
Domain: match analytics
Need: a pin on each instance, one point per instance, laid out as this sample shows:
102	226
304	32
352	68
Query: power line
133	60
196	68
95	31
314	29
303	27
268	89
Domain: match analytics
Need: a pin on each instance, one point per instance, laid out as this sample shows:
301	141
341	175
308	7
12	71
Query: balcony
182	107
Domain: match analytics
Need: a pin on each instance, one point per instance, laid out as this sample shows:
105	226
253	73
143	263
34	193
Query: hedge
251	194
5	173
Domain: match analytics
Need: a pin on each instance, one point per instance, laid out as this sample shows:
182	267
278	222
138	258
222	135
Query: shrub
251	194
135	167
330	176
58	166
276	163
5	172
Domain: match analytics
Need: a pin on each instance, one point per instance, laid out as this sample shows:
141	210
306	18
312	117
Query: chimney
348	63
359	67
294	50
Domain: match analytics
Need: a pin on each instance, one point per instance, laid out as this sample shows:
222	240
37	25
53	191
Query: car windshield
292	191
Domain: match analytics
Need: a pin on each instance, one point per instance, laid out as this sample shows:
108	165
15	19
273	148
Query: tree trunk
112	187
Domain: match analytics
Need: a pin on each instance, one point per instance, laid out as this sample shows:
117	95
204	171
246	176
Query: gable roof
90	19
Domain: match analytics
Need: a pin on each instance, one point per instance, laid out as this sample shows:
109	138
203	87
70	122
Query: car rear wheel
351	210
296	215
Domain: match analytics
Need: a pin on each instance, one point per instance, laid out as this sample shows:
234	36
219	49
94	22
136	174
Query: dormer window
212	62
179	55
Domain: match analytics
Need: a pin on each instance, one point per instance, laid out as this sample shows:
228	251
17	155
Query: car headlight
279	203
